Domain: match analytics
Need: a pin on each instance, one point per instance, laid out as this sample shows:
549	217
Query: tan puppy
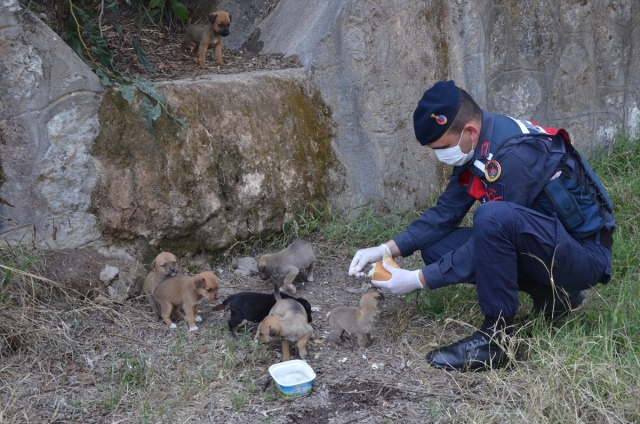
205	36
287	322
163	266
360	321
186	292
288	262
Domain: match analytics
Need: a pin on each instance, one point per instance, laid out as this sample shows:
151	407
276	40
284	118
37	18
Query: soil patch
161	46
76	269
120	363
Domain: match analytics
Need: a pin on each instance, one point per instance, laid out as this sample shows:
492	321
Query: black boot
554	306
481	351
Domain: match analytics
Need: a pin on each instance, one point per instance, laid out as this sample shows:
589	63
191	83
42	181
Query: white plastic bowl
294	377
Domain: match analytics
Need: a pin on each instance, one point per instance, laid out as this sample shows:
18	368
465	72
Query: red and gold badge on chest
492	170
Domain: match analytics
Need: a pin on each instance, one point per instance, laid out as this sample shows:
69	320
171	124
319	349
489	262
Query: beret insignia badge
440	119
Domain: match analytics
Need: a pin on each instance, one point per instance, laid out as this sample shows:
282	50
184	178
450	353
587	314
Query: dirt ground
161	47
119	363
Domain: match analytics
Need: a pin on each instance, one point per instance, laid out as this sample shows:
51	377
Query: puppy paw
194	328
198	318
173	325
310	279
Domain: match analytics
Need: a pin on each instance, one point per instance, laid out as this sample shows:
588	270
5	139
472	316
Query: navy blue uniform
514	237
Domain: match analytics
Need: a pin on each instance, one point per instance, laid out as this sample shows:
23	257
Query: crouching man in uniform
544	224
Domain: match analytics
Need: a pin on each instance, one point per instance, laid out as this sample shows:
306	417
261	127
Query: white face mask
453	155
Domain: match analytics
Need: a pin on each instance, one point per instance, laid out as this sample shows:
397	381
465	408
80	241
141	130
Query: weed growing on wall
84	36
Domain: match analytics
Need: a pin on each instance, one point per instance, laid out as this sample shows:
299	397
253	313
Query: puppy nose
225	33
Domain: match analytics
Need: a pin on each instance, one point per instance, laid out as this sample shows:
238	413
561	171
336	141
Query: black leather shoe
555	307
481	351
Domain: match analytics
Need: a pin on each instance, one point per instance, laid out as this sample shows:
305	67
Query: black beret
436	110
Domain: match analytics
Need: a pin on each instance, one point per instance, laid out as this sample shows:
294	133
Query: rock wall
49	102
568	63
257	151
78	168
563	63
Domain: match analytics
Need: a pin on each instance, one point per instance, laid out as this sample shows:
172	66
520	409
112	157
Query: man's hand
402	281
367	256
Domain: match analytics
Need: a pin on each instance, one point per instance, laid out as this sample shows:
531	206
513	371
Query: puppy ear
229	17
212	18
153	265
273	332
200	283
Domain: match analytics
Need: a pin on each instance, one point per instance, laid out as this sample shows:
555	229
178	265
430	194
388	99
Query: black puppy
254	307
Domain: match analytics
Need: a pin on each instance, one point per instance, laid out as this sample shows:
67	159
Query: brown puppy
163	266
186	292
205	36
287	322
358	321
288	262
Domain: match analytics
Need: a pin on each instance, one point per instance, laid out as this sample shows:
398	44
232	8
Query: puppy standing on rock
163	266
204	36
186	292
360	321
288	262
287	322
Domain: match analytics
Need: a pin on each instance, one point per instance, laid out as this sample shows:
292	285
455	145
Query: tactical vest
573	193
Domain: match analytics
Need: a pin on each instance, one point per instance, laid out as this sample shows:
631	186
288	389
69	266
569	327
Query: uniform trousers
511	248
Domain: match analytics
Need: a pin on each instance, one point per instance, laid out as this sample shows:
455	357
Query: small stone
109	273
246	264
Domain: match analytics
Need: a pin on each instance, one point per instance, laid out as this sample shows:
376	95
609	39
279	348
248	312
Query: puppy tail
276	291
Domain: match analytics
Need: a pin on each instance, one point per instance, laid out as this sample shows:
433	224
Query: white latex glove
402	281
367	256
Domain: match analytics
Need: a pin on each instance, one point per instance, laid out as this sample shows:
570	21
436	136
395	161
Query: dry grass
66	359
71	360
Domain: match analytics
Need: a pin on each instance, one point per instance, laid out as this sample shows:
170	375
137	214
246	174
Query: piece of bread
378	272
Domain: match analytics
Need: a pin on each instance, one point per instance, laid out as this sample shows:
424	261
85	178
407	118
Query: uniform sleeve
525	169
438	221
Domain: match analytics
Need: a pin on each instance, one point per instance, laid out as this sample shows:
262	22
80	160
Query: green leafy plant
85	38
238	400
157	9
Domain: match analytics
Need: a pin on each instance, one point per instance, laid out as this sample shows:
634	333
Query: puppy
205	36
254	307
358	321
163	266
186	292
287	322
288	262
